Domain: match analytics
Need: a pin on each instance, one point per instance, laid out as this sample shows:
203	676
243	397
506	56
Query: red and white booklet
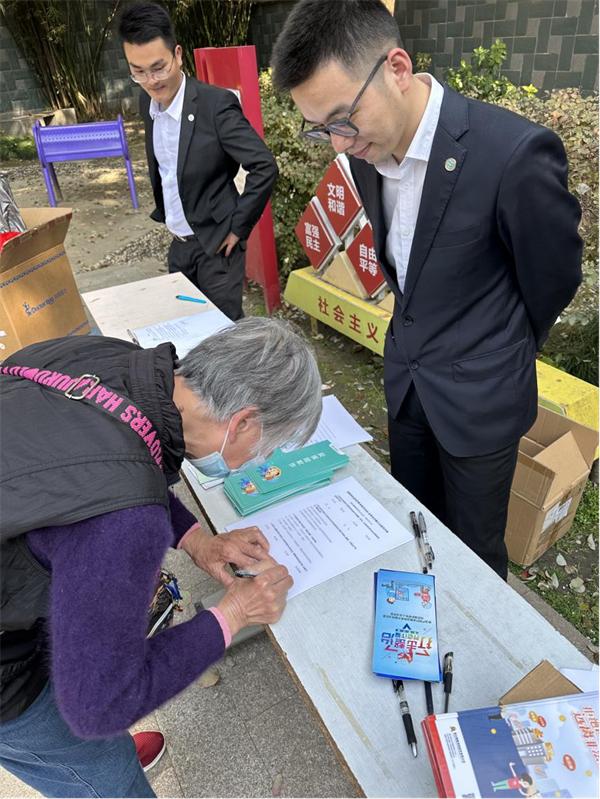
545	747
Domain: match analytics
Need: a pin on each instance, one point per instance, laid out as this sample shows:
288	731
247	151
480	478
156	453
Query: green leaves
301	167
483	79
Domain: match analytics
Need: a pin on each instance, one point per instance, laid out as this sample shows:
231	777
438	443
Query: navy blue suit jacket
495	258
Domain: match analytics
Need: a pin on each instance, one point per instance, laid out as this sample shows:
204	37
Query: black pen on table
429	699
427	549
417	533
448	669
406	717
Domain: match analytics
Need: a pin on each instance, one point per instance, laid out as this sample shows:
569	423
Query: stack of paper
185	332
337	425
285	474
405	643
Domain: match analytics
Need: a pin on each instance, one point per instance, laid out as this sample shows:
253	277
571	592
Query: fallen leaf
533	569
209	678
543	585
577	585
560	560
327	386
554	580
277	787
571	569
590	541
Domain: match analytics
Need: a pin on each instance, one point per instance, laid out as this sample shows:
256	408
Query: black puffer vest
64	460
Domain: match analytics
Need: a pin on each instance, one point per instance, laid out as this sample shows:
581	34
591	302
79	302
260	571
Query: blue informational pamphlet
405	644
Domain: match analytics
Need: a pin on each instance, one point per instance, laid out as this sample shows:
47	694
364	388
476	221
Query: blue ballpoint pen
190	299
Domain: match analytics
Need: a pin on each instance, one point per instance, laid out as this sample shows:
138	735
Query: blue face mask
215	465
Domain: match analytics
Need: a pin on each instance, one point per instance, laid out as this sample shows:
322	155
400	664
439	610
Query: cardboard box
38	296
554	462
542	682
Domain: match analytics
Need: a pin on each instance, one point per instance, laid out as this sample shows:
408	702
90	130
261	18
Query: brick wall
550	43
266	21
20	91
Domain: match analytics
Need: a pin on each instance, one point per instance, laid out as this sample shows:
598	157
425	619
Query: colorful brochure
285	474
405	641
544	747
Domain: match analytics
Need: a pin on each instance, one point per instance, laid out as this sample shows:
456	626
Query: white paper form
326	532
185	332
338	426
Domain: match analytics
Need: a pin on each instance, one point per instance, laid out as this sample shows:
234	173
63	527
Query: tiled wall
550	43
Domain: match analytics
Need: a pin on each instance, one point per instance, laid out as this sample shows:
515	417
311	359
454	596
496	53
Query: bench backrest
80	142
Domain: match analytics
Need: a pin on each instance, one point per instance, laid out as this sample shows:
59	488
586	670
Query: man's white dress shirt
167	127
403	183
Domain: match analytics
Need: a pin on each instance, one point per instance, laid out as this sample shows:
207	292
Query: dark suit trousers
220	278
469	495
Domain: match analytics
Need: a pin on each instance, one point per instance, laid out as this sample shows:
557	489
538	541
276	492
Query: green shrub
301	167
482	78
13	148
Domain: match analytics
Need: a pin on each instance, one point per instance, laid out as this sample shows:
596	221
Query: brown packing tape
542	682
531	480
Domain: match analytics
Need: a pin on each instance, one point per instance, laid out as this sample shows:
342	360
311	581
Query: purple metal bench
78	143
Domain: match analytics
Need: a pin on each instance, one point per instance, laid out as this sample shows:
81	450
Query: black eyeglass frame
323	132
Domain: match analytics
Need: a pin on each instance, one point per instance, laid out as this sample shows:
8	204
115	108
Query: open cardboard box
554	462
542	682
39	298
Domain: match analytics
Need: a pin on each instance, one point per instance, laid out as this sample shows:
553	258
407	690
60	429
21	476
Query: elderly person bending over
93	432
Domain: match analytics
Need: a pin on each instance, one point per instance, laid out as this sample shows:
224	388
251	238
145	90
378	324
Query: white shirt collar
420	146
176	106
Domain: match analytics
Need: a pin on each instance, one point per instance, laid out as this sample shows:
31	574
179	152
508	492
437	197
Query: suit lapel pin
190	117
450	164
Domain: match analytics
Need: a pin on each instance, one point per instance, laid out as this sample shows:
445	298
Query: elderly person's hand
256	600
213	553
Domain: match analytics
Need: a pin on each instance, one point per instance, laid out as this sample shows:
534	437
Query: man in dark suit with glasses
196	139
476	233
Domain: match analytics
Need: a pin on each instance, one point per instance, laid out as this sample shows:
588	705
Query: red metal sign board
314	236
364	260
235	68
338	199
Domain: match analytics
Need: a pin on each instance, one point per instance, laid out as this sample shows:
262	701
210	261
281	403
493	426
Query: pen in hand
243	573
406	717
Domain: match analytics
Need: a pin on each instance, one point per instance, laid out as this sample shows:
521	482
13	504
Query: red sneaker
150	747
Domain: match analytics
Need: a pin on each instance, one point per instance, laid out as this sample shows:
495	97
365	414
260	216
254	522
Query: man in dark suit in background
196	139
476	233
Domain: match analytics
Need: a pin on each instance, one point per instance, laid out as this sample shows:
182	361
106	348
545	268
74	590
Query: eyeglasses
342	126
162	73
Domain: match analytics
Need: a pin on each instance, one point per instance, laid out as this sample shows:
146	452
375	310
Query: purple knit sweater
106	674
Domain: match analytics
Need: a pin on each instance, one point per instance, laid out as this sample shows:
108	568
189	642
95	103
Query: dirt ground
109	243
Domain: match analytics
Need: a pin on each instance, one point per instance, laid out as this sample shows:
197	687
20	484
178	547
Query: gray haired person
94	431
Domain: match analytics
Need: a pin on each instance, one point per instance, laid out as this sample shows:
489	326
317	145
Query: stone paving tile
289	739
